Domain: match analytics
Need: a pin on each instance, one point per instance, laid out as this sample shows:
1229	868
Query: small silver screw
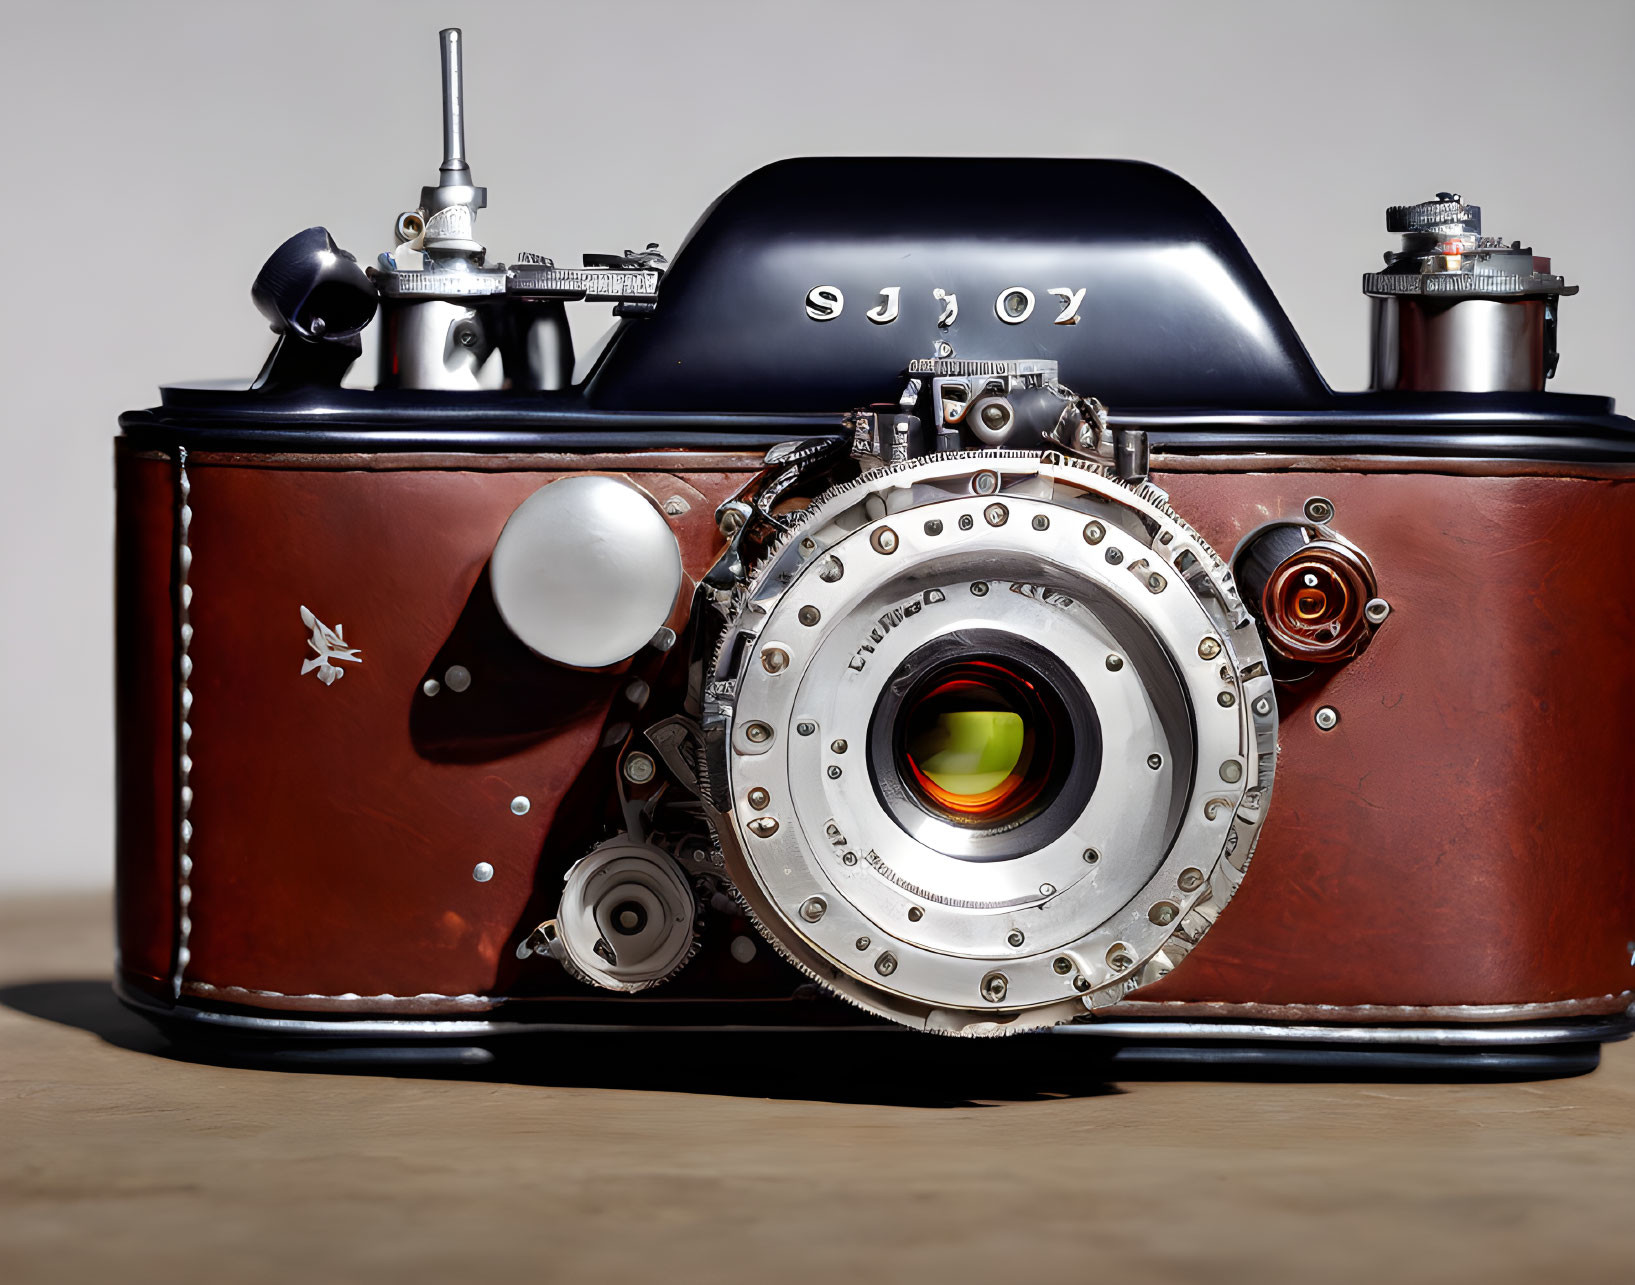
915	914
996	514
994	987
834	773
1062	964
986	483
758	798
1015	938
639	768
431	687
831	569
862	943
758	733
1115	662
1226	700
520	805
839	747
934	527
482	872
1119	957
1231	771
1041	523
1208	649
1094	533
884	540
1319	509
849	858
812	909
1115	555
774	660
1326	718
1263	706
1191	879
979	588
1163	912
805	729
809	616
1155	761
1377	610
1091	856
1047	890
886	965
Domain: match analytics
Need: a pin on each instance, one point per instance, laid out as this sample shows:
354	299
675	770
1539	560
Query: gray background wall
158	152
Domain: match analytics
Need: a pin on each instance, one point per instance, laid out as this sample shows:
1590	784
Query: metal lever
455	171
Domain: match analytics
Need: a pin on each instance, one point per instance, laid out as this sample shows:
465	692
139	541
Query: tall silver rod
454	167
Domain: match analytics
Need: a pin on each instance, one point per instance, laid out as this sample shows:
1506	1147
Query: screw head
1225	700
1155	761
639	769
1327	718
1377	610
758	733
979	588
1015	938
1094	533
1091	856
831	569
1115	662
934	526
812	909
915	914
862	943
994	987
482	872
1163	912
1115	555
849	858
834	773
1062	964
993	415
809	616
996	514
839	747
1209	648
803	728
758	798
1231	771
1041	523
520	805
774	660
986	483
1263	706
764	827
1319	509
884	540
886	965
1119	957
1191	879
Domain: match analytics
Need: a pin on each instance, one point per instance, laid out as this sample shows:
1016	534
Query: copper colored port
1314	600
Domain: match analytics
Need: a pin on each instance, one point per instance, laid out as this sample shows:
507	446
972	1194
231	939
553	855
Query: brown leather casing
1460	840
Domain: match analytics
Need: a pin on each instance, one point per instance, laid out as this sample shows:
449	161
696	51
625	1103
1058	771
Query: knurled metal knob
1448	210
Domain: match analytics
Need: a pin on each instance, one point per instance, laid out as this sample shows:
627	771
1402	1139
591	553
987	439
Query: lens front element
977	743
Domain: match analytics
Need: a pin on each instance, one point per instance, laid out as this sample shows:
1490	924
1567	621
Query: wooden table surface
123	1160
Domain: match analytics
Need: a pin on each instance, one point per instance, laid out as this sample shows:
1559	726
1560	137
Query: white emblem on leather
331	647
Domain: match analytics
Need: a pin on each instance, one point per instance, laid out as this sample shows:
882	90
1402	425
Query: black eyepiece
313	289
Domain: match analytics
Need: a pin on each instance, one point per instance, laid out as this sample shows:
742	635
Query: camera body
905	619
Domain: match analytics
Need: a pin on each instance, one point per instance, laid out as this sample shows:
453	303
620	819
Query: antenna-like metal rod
455	171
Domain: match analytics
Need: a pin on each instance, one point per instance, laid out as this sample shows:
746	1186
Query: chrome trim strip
1594	1030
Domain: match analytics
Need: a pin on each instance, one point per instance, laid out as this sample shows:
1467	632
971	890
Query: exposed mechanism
1456	311
989	736
626	920
1314	592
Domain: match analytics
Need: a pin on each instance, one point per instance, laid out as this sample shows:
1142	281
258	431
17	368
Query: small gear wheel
627	919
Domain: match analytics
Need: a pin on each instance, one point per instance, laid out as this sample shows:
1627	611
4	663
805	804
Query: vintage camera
901	618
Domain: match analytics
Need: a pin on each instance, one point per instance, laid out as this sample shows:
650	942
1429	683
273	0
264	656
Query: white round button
586	571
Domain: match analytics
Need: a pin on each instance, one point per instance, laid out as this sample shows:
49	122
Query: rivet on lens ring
1327	718
764	827
774	660
996	514
884	540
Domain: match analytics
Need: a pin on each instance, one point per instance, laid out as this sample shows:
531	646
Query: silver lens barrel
952	926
